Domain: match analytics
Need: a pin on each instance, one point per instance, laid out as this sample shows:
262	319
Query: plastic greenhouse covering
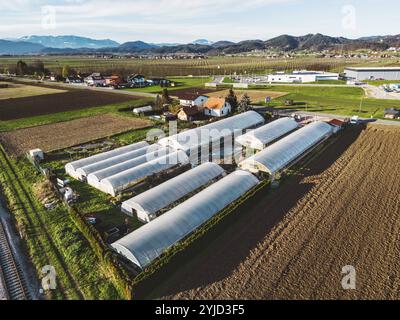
169	192
265	135
150	241
94	178
122	181
279	155
71	167
193	138
86	170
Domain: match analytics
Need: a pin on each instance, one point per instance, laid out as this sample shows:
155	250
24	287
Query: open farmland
339	209
196	67
73	99
69	133
255	95
14	91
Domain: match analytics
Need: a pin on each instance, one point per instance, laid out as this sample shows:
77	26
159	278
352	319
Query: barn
374	73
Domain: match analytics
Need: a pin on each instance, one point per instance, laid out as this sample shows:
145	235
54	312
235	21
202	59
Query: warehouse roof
279	155
150	241
260	137
167	193
373	68
193	138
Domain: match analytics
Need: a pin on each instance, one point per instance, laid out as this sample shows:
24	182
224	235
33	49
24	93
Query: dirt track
344	209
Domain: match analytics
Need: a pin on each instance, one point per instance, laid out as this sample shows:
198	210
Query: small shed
189	113
143	110
36	154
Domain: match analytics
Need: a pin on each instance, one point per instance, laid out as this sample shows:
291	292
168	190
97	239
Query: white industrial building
259	138
72	167
146	205
147	243
373	73
302	76
285	152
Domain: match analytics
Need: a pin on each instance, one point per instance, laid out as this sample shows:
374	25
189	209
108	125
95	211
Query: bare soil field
341	209
255	95
72	99
15	91
65	134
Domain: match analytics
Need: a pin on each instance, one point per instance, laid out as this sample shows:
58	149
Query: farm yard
335	210
256	96
68	133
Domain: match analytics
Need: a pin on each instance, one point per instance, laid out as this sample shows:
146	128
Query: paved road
341	117
378	93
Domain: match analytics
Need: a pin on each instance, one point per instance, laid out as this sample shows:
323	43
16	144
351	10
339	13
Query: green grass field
334	100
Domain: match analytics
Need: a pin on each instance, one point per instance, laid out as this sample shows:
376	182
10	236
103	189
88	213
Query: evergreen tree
22	68
158	104
232	100
245	102
166	99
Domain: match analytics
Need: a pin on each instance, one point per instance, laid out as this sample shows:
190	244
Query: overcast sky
187	20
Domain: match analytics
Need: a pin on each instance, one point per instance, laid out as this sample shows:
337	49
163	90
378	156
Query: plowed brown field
343	209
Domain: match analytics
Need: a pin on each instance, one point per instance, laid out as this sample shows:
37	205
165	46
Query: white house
192	100
217	107
95	80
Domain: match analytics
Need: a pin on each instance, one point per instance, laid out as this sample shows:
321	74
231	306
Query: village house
191	100
188	113
95	80
113	81
137	80
392	113
217	107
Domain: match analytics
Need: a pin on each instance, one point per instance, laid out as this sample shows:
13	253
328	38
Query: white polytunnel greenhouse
153	239
194	138
126	179
147	204
95	178
282	153
72	167
86	170
261	137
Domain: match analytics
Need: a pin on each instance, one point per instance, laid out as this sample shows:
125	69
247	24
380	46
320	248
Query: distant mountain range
76	45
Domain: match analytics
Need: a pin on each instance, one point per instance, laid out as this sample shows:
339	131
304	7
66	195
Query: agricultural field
15	91
73	99
346	101
335	210
256	96
61	135
196	67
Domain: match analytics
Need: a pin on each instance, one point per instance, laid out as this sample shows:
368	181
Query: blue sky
187	20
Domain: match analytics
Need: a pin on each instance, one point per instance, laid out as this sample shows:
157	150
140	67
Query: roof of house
215	103
190	111
133	76
336	122
190	96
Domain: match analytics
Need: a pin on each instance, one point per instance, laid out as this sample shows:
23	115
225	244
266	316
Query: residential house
392	113
217	107
113	81
191	100
95	80
337	125
137	80
189	113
